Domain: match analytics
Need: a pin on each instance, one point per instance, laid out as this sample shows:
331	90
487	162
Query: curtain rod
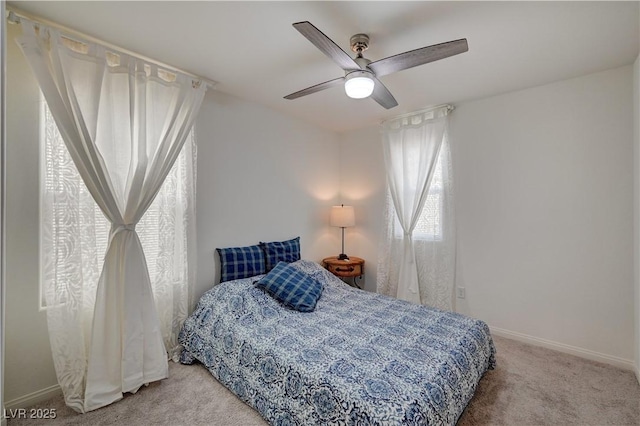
420	111
14	15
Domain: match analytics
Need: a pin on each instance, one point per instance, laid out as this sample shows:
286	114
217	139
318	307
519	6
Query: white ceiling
252	50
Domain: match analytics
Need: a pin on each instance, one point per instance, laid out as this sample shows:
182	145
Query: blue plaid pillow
291	287
281	251
240	262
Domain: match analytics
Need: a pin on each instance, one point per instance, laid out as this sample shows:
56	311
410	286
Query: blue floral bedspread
359	358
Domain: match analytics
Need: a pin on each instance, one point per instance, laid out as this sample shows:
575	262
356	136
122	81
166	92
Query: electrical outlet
461	293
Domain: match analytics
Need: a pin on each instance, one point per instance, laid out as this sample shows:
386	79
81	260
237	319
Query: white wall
262	176
544	201
363	185
544	194
28	364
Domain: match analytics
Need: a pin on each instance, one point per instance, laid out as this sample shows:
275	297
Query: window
430	223
70	221
74	232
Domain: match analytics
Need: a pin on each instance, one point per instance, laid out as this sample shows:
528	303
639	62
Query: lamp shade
342	216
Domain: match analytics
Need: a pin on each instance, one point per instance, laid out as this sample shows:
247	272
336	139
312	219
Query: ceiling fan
361	75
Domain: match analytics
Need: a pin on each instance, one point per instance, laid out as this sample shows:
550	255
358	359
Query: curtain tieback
116	229
408	236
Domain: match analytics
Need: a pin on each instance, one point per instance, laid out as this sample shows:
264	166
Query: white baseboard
33	398
626	364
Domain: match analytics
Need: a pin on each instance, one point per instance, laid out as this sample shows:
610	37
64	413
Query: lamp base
343	256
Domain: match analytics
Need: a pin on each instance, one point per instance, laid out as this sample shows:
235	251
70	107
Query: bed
358	358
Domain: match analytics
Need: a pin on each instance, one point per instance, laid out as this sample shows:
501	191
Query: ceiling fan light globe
359	86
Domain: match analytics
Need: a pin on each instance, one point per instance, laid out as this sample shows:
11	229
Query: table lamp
342	217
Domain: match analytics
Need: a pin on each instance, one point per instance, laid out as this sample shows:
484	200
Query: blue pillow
281	251
291	287
241	262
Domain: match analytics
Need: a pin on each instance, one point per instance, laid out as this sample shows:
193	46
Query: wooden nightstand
350	268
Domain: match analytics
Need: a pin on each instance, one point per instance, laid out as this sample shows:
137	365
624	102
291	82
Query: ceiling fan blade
318	87
326	45
382	95
416	57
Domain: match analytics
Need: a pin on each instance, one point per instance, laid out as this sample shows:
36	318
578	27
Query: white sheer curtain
124	122
74	236
417	256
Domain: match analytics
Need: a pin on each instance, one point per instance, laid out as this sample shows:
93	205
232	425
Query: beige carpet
531	386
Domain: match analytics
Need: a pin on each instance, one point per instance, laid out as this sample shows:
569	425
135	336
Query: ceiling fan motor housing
362	62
